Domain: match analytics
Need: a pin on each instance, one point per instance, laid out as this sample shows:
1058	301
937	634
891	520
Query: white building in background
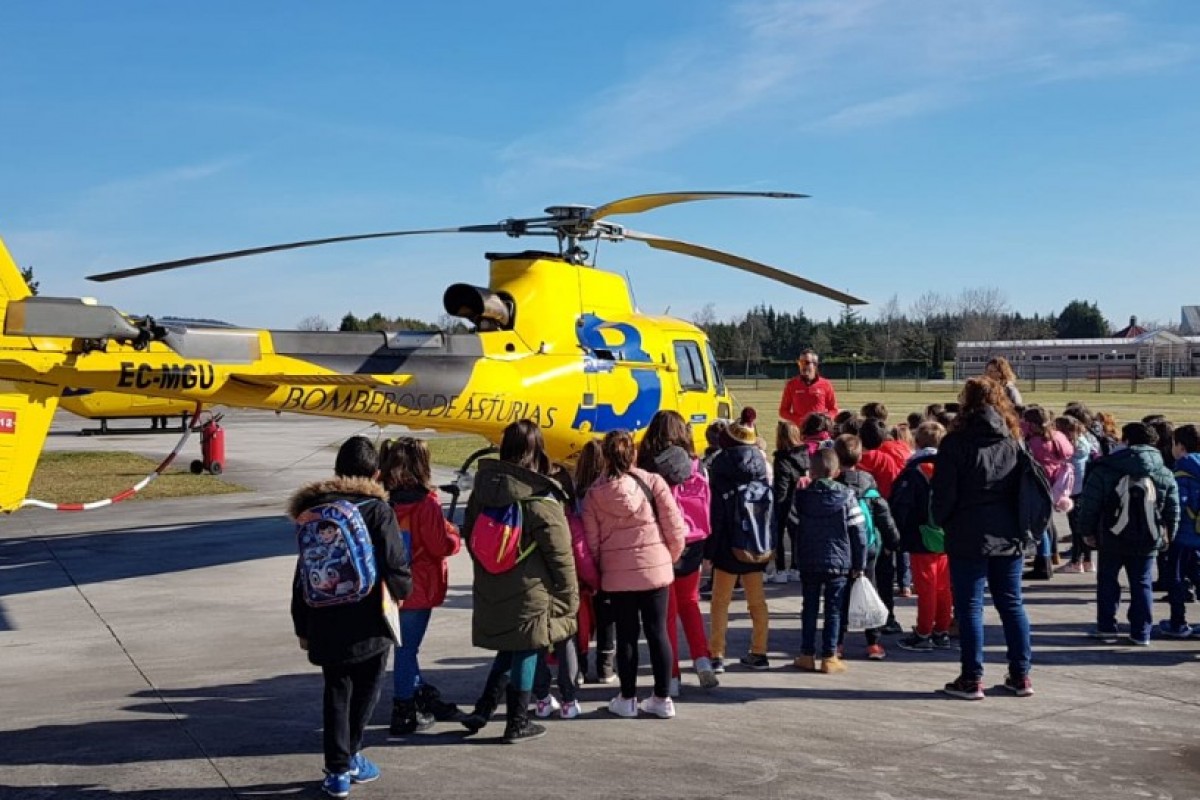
1146	354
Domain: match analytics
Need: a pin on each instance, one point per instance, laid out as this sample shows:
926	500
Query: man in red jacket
808	392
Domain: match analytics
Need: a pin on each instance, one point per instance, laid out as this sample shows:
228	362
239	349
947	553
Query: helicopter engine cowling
484	308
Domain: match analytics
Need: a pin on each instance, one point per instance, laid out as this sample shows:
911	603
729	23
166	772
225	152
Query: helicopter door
694	397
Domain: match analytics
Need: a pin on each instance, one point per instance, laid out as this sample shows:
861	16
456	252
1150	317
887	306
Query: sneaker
875	652
805	663
755	661
1088	566
1182	631
718	666
1105	636
964	689
547	706
906	591
706	673
626	707
362	769
1070	568
891	626
1021	687
1136	641
661	707
570	710
780	576
336	784
941	641
916	643
673	688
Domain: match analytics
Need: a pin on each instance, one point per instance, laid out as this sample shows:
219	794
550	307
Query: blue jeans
1002	576
1108	592
814	587
520	664
406	674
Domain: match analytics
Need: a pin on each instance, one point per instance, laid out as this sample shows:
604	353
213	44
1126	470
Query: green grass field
85	477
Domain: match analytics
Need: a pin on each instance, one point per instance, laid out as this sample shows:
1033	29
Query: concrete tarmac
146	652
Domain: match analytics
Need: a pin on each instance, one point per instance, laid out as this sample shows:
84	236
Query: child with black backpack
881	534
1128	509
351	552
829	533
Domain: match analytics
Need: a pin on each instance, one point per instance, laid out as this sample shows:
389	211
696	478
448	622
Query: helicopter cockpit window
691	367
718	378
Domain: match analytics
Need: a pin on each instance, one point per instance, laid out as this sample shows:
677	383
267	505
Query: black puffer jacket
353	632
975	485
828	529
910	502
881	513
1099	499
731	468
790	466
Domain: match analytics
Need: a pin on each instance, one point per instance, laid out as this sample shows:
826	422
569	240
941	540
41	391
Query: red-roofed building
1132	331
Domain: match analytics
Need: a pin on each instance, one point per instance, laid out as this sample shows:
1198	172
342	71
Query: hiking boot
891	626
704	670
833	665
916	643
408	718
488	700
755	661
1021	687
661	707
517	727
1172	631
941	641
362	769
336	784
875	652
805	663
964	689
429	700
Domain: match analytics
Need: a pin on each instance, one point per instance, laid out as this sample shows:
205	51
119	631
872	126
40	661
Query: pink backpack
692	496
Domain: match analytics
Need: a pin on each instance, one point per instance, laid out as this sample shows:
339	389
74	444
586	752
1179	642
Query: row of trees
927	331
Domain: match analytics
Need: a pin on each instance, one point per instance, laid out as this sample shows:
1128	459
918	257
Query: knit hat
741	432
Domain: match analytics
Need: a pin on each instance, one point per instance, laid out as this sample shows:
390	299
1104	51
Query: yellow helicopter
556	340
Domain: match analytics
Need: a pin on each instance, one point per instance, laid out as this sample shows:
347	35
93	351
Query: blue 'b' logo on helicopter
600	355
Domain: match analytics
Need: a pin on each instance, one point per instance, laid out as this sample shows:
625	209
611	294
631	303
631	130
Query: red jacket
885	464
801	399
431	539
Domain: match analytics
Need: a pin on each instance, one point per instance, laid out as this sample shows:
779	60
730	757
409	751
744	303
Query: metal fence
1101	383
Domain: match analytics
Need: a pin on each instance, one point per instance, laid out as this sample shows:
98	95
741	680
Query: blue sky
1051	150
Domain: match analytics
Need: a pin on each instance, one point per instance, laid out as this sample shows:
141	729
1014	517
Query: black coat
881	514
910	503
790	466
828	530
1100	484
975	485
731	468
357	631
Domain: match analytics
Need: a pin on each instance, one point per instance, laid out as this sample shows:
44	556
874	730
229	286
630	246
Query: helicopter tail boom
26	409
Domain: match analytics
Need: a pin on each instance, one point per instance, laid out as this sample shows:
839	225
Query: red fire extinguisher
212	447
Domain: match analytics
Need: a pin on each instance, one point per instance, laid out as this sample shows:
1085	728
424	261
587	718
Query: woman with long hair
999	370
667	449
635	532
528	605
975	489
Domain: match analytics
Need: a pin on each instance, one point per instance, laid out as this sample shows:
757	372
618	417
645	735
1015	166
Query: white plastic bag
866	609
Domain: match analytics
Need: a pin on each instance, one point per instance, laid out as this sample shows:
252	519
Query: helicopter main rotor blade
647	202
730	260
254	251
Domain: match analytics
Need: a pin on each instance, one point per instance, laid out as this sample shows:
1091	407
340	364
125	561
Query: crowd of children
616	548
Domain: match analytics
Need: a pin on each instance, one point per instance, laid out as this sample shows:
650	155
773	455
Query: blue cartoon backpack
337	559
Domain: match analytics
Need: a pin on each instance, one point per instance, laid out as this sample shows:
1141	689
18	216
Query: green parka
534	604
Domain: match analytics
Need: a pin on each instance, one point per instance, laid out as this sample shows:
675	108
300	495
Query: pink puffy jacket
632	551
